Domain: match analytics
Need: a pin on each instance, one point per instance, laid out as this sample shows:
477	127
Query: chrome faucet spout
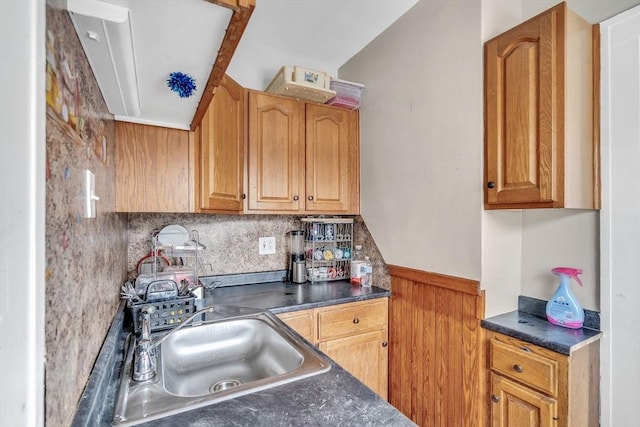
144	367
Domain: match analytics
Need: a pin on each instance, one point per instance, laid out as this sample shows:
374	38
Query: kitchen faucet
144	367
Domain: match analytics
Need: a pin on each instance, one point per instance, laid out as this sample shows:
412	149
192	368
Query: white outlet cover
266	245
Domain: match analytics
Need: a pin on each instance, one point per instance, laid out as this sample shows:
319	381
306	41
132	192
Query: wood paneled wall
436	361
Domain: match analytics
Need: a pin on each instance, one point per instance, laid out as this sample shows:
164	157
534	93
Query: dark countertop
328	399
527	324
281	297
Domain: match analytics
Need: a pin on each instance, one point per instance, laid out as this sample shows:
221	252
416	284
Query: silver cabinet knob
310	197
295	198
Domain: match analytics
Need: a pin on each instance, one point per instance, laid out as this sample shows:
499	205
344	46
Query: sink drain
224	385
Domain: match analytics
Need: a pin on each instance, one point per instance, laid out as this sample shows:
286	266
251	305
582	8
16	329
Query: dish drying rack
328	248
173	299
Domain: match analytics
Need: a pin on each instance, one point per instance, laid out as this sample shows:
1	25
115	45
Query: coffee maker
297	266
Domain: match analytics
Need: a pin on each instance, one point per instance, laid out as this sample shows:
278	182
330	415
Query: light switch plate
90	197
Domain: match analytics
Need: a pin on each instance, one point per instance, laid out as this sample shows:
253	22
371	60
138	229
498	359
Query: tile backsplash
232	241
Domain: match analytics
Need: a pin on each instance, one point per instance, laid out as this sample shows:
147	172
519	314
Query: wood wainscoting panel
436	348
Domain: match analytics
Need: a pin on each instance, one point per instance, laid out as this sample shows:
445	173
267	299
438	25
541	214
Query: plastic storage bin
302	83
348	94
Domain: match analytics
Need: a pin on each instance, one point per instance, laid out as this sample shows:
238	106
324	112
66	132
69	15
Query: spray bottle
563	308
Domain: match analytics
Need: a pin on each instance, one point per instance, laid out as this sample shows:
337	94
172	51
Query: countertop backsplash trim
537	307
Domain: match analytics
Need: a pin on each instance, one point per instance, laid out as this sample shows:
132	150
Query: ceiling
184	35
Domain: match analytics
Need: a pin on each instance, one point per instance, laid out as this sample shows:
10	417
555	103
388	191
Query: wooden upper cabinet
302	157
220	151
331	159
154	169
539	145
276	153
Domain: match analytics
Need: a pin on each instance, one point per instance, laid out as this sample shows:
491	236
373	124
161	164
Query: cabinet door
221	151
276	154
514	405
301	322
365	356
332	160
154	169
524	122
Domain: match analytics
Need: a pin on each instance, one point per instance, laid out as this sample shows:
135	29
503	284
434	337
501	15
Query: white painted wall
422	156
421	137
593	11
501	230
22	210
560	238
620	219
579	244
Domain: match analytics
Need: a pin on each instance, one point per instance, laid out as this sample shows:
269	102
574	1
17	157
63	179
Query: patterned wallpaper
86	258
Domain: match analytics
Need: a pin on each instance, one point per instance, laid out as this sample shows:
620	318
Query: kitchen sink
215	361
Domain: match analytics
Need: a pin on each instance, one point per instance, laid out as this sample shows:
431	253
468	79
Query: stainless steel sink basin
204	364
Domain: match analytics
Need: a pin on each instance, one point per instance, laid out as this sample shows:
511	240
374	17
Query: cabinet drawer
350	319
528	368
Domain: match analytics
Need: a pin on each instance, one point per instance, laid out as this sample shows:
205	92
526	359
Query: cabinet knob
491	184
310	197
384	343
244	196
295	198
518	368
356	320
495	398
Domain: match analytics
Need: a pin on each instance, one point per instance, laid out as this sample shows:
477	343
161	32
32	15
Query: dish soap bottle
563	308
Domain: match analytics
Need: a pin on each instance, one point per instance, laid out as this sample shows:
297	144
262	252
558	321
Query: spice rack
328	248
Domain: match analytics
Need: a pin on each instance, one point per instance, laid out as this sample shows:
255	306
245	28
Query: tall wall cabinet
220	151
302	157
539	143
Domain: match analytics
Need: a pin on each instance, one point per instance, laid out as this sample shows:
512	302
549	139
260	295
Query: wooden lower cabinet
354	335
531	386
302	322
517	405
365	356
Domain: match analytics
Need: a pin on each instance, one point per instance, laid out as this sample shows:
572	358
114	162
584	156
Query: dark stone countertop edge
97	403
308	306
541	333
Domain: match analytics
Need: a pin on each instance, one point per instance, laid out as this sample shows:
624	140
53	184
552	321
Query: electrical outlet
267	245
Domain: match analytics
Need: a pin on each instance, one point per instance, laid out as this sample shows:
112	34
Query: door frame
612	388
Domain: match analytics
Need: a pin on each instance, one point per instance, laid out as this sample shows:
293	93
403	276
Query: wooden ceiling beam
242	10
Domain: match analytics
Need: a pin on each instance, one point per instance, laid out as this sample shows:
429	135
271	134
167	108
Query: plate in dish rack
173	235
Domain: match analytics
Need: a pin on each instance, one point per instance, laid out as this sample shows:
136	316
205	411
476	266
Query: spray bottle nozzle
569	272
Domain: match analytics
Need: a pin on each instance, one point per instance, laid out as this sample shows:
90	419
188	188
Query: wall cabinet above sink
300	158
